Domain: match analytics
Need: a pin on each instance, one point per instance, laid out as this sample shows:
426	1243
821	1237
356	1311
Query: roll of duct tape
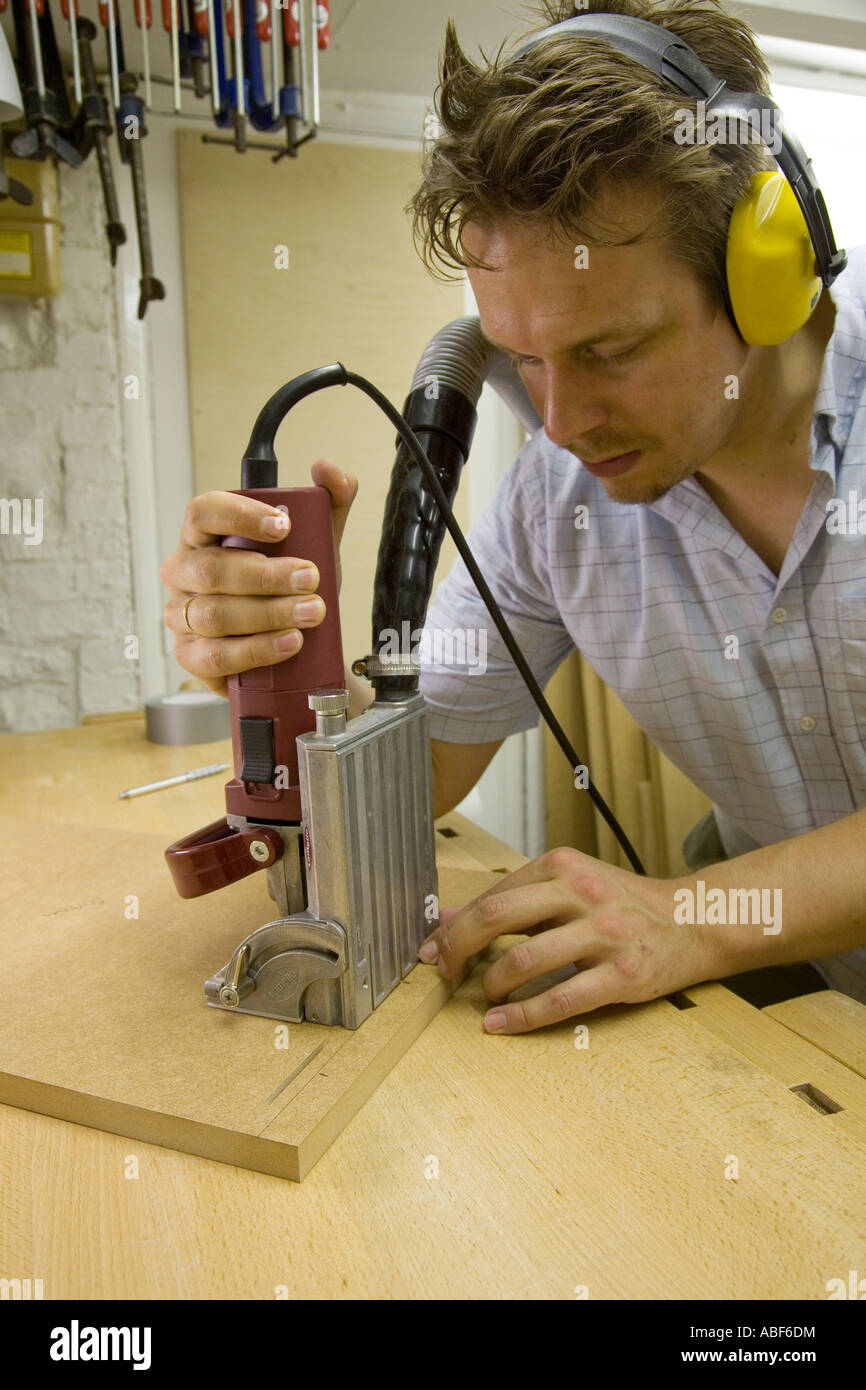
189	716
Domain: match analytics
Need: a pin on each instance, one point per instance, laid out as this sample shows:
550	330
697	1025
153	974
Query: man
595	245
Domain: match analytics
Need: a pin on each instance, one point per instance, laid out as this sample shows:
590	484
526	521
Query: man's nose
573	405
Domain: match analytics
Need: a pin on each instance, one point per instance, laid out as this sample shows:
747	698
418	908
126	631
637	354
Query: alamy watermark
846	517
22	516
20	1290
853	1287
77	1343
749	127
717	907
436	648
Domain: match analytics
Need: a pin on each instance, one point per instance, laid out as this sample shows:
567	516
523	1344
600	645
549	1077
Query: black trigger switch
257	748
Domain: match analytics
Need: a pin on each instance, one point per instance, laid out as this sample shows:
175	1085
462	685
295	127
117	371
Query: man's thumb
342	486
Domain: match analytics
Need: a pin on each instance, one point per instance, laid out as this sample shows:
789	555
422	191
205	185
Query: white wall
67	601
831	125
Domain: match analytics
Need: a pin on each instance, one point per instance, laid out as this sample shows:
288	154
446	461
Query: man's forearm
810	899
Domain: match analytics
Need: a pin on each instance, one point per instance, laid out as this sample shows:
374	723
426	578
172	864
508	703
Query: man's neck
762	478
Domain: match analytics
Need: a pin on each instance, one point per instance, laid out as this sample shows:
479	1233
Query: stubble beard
631	491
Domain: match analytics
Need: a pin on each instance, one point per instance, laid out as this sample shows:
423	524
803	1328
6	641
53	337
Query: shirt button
807	723
779	615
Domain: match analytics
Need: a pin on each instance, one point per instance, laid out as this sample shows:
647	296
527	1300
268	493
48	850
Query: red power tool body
269	709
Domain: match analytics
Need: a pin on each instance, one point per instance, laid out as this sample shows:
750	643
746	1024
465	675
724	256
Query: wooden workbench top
669	1158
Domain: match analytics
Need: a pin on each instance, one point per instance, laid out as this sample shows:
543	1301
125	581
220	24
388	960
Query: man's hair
534	141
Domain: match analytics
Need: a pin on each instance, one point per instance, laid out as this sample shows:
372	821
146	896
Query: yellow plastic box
30	236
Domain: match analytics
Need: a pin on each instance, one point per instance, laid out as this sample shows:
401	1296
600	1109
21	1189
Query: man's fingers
212	658
587	990
213	570
527	960
581	869
218	684
342	486
504	911
215	514
201	566
216	615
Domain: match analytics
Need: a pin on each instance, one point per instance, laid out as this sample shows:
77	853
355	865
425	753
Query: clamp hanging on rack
257	28
43	88
144	20
70	14
193	46
244	95
91	130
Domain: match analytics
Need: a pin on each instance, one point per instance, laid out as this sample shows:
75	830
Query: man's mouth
611	467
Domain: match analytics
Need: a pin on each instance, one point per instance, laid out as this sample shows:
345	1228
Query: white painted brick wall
66	604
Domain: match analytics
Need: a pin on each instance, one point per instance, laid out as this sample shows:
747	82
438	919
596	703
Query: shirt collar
829	423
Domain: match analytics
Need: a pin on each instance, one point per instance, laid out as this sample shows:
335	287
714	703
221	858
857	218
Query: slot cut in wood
681	1001
817	1099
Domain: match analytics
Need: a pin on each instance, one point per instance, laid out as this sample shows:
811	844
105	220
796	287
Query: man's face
666	396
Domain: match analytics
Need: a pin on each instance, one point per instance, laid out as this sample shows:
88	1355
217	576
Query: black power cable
259	470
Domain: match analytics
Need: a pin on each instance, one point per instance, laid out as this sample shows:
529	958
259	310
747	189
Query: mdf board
107	1024
353	290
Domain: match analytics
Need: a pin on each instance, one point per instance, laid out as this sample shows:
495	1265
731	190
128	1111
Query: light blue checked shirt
649	593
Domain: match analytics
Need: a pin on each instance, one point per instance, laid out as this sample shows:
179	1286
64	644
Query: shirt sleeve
473	691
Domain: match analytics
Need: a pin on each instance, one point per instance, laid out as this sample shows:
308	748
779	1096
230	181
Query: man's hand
248	606
617	929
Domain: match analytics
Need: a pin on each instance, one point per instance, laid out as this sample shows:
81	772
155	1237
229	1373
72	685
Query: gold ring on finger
186	614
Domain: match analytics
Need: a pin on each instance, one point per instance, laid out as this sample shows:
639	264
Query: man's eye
617	357
613	358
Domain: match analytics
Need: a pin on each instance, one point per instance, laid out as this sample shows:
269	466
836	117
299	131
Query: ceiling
393	45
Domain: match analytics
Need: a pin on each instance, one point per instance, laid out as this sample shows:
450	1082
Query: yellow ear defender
772	283
780	247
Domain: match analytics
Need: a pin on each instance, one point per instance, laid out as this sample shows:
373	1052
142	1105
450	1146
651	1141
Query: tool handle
148	17
220	854
263	20
199	11
268	706
292	29
291	32
291	25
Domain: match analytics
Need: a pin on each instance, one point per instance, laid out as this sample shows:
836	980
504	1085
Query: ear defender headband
780	250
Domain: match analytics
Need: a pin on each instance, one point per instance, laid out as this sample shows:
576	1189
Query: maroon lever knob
220	853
